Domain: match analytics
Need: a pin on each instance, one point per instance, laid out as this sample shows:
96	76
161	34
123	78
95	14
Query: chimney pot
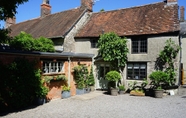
182	14
88	4
45	8
170	2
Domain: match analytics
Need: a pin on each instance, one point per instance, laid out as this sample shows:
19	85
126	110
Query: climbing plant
113	49
167	57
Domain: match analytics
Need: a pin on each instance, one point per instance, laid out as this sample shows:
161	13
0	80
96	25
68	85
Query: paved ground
99	105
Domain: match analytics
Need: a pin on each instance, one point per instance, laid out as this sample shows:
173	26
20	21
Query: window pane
143	45
135	46
136	71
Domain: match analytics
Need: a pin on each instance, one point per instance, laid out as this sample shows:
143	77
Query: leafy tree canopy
113	49
8	8
26	42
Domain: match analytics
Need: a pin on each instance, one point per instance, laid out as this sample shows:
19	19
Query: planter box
40	101
65	94
86	90
158	93
114	92
80	91
137	93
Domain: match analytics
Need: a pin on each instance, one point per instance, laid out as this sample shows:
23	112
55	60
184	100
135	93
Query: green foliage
102	10
158	78
167	56
90	80
4	38
138	87
8	9
113	76
44	45
113	49
122	88
20	84
81	75
47	79
65	88
26	42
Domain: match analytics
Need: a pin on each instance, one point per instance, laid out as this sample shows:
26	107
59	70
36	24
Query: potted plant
41	94
81	76
91	80
113	77
158	79
65	91
121	89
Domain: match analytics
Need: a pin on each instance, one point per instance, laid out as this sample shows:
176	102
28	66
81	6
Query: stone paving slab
88	96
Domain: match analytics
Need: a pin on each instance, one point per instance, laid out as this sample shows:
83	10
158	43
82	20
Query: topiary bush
113	77
158	79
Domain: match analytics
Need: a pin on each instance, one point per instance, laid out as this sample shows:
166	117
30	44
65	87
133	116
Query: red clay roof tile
148	19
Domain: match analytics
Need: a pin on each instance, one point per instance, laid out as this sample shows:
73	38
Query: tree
26	42
8	10
113	49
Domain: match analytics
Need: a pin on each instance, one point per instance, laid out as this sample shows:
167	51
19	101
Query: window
139	45
94	43
136	71
52	67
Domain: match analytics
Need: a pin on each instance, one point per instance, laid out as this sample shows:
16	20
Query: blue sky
31	9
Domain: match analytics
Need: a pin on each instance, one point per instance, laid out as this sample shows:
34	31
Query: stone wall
69	41
155	45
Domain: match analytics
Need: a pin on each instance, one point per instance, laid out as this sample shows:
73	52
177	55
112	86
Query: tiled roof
54	25
148	19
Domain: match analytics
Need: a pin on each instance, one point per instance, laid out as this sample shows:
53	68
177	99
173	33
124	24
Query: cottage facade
77	30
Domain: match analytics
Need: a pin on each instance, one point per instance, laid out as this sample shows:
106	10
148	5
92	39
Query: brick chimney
170	2
10	21
182	13
87	4
45	8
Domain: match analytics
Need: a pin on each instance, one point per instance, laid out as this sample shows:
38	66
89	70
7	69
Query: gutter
69	66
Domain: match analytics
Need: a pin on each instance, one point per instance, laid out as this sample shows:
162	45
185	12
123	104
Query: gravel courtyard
106	106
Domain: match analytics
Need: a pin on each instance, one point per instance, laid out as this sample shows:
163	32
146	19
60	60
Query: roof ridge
61	12
130	7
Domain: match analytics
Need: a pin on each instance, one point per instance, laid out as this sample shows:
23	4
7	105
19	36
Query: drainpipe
180	43
69	71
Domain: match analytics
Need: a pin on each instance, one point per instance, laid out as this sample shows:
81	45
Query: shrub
91	81
20	84
113	76
122	88
81	75
158	78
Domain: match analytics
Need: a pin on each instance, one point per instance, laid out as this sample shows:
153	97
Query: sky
31	9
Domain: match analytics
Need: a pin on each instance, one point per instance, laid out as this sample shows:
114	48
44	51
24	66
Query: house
183	43
146	28
60	28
